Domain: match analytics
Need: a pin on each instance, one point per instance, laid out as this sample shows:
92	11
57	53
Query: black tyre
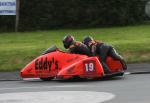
121	73
47	79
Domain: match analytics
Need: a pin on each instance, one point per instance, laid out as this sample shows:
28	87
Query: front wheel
47	79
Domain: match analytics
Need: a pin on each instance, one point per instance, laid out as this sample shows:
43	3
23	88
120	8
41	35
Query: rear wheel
47	79
121	73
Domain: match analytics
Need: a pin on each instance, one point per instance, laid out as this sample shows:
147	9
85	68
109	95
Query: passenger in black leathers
74	46
103	50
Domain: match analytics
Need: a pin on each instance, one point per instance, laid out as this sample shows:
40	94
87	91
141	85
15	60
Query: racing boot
123	64
106	68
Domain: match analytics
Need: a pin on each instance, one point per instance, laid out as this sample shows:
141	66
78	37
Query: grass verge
17	49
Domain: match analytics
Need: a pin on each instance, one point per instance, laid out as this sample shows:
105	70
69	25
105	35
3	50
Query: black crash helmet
68	40
87	39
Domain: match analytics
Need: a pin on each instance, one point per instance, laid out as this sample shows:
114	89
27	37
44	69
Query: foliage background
52	14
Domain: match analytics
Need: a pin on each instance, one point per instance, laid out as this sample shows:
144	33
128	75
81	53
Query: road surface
128	89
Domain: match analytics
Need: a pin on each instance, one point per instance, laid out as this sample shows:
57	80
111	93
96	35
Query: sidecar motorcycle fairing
61	65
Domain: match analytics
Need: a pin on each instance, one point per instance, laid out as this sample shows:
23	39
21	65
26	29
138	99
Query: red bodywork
62	65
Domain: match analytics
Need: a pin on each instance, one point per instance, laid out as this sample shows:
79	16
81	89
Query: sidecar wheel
47	79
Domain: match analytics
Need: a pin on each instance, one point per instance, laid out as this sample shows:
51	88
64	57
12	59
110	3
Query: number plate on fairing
89	67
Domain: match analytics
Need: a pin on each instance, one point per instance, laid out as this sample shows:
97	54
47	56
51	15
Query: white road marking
34	87
127	73
56	97
28	79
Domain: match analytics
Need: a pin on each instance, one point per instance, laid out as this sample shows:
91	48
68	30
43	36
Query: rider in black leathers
75	46
103	50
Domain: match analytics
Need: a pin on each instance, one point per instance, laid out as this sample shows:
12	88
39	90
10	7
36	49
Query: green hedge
49	14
